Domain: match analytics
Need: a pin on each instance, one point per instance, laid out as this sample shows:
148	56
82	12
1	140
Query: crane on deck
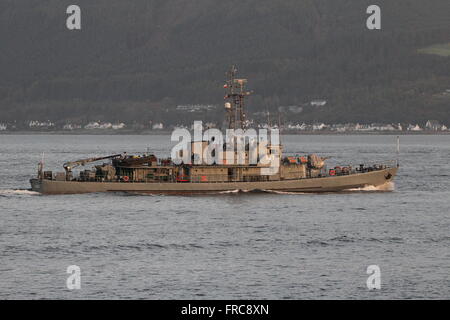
68	166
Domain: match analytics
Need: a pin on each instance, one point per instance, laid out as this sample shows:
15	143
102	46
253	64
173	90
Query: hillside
134	59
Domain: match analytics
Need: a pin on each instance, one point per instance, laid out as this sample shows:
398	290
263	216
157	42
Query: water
227	246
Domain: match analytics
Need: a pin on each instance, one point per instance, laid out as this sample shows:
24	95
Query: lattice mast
235	98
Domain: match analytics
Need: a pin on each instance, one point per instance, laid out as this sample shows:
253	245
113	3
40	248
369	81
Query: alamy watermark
374	280
73	282
73	22
374	20
238	147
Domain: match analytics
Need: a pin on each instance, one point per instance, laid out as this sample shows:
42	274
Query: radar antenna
235	98
398	151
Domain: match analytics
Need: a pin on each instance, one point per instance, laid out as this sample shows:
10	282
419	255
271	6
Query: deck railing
234	178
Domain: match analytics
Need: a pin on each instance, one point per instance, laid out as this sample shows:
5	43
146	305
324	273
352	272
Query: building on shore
435	125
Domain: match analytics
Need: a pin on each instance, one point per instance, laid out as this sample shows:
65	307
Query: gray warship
148	174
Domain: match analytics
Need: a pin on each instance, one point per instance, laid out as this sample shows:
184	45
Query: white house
158	126
383	127
92	125
434	125
38	124
106	125
118	126
318	103
319	126
363	127
414	128
71	126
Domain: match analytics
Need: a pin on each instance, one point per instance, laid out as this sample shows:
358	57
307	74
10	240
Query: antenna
236	95
41	167
279	126
398	151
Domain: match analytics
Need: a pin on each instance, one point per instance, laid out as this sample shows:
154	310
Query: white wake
284	192
233	191
12	192
388	186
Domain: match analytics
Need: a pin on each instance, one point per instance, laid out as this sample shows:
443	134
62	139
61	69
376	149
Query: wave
20	192
258	191
388	186
344	239
283	192
140	247
234	191
229	191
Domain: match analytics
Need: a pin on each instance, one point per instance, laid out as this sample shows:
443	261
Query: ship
231	169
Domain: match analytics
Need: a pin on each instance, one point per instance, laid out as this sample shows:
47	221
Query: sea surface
235	245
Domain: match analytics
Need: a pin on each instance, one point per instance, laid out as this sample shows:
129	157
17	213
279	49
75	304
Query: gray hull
326	184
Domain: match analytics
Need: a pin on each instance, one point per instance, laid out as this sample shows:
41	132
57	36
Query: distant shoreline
164	132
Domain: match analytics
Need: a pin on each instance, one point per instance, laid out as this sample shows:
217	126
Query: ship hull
314	185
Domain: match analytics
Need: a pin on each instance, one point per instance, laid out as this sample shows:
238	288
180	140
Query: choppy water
235	245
